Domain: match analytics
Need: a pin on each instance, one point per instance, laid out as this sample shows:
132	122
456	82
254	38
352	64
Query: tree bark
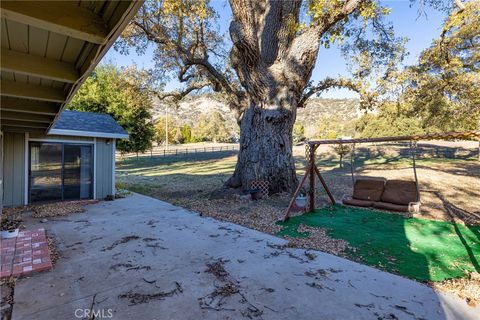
265	150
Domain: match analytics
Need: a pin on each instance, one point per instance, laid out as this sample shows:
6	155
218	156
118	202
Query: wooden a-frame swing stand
312	169
310	173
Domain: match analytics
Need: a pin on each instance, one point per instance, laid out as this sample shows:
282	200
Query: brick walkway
26	253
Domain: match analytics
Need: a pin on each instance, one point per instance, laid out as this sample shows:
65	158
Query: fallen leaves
319	240
467	288
59	208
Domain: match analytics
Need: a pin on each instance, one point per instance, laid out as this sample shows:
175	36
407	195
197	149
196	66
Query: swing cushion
400	192
358	203
390	206
369	189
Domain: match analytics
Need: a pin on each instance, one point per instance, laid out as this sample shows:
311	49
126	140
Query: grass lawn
421	249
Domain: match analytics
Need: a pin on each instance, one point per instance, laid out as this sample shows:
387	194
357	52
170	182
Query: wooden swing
312	169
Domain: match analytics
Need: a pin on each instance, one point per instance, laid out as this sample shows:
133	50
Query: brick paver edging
24	254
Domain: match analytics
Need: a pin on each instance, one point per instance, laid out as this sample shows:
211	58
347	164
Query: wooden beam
19	116
41	67
29	91
64	17
22	129
24	124
466	135
29	106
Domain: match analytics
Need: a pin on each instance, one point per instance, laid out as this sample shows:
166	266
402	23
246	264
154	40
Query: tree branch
304	48
179	95
367	98
189	59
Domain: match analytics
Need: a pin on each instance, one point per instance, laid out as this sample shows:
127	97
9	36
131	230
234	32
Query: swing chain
308	150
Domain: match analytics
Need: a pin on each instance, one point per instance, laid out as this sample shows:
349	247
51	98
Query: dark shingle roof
88	124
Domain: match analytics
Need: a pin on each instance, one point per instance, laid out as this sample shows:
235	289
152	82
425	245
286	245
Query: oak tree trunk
265	150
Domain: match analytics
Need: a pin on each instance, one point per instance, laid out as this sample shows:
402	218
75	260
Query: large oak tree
265	74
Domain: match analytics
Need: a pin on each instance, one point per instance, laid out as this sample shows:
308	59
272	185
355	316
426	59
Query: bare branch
176	96
367	98
460	5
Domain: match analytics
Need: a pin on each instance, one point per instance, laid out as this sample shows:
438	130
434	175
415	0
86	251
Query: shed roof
88	124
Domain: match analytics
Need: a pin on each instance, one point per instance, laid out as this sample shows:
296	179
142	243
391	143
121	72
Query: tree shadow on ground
469	218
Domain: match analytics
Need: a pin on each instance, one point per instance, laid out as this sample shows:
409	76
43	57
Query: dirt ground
449	178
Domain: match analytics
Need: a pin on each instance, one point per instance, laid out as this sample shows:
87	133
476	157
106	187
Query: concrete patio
141	258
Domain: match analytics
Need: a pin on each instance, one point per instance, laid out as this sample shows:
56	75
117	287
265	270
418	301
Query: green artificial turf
416	248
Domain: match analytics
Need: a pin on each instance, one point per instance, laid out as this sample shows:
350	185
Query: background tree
107	90
275	45
211	127
443	89
389	121
160	128
441	92
187	134
342	150
298	132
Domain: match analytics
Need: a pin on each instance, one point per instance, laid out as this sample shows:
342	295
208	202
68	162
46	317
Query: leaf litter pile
59	208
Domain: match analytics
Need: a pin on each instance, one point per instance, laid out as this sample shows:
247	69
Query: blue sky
420	30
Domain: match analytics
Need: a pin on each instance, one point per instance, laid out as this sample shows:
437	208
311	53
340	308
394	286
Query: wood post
311	192
295	194
309	172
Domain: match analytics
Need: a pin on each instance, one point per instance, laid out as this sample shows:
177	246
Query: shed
75	160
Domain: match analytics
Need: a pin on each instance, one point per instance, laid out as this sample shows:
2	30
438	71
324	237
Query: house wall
1	171
105	157
13	169
15	183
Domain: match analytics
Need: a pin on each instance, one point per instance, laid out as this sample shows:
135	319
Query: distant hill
310	117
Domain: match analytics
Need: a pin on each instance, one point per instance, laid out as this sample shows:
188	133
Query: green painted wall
104	152
13	169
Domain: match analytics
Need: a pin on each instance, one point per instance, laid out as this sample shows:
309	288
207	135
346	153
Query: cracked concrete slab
141	258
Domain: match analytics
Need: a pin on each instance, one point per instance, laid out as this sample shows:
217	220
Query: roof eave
123	22
79	133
